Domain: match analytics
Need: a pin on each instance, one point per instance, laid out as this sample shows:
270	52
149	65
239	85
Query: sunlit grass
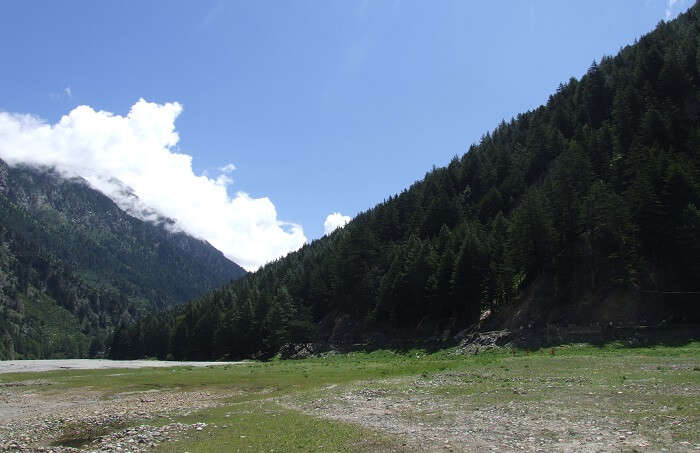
634	384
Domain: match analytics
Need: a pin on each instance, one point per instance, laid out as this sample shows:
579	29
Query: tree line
591	197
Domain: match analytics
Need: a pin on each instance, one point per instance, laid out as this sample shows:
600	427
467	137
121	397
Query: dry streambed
26	366
73	420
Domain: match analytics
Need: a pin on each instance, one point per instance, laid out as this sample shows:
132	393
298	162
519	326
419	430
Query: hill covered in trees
73	266
584	209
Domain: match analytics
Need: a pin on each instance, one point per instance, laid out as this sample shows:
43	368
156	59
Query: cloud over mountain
334	221
140	150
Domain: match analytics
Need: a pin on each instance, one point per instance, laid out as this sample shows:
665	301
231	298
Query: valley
537	292
582	211
581	398
74	266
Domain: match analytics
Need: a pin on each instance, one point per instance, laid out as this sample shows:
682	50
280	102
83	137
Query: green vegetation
73	266
276	377
264	426
589	206
275	405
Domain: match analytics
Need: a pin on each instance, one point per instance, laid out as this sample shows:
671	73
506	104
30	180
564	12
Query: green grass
634	384
277	376
265	426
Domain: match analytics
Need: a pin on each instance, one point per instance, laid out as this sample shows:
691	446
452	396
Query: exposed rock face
342	335
484	341
552	335
302	350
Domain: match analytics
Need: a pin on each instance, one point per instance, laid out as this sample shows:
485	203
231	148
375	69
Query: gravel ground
84	421
22	366
417	411
562	407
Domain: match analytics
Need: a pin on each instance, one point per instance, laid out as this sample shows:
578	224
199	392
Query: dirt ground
512	410
77	419
450	424
521	403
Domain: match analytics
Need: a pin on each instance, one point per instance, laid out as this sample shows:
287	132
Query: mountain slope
68	250
584	209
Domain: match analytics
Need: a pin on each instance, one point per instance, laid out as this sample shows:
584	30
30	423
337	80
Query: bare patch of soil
437	414
78	418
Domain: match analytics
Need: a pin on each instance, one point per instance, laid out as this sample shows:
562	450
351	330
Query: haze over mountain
73	264
139	150
582	210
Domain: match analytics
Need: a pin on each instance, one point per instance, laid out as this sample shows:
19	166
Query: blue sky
322	106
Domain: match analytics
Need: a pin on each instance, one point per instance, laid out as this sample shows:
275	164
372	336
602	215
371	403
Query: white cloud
228	168
335	221
65	93
669	8
140	150
673	7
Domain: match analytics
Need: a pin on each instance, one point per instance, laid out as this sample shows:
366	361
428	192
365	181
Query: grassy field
614	397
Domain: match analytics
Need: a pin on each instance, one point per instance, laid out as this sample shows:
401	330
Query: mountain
585	209
73	265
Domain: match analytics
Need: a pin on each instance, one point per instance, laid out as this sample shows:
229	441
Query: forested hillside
584	209
73	266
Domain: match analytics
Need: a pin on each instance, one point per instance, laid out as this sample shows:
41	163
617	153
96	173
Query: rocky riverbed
569	398
24	366
32	420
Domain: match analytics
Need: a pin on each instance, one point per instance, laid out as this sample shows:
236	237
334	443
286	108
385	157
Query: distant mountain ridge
67	246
